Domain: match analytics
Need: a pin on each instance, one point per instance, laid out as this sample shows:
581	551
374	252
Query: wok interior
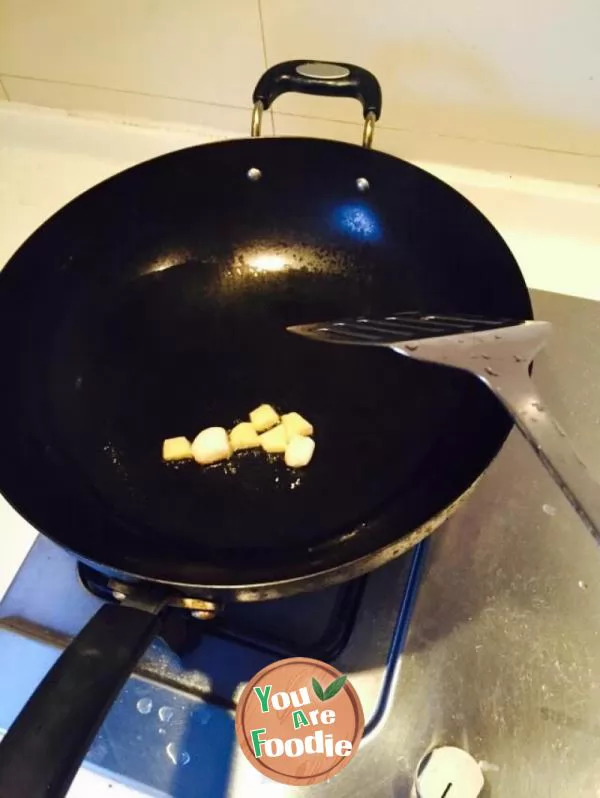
157	304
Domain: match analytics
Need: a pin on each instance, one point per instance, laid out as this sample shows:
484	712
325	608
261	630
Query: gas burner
171	729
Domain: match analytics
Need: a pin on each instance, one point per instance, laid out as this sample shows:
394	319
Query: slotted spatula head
498	352
485	347
398	328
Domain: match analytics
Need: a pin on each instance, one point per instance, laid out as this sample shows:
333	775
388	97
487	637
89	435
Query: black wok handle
325	78
43	749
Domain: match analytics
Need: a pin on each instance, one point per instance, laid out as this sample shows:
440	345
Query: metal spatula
499	352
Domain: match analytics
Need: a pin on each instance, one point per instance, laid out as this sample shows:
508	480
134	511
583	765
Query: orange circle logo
299	721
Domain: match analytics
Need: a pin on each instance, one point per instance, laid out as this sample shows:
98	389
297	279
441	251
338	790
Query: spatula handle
550	443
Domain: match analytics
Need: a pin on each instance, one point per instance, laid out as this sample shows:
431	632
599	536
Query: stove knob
448	772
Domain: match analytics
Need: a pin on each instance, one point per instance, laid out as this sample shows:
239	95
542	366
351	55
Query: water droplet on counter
205	715
519	359
538	406
582	585
144	706
176	756
549	509
411	347
558	428
491	372
166	714
488	766
162	731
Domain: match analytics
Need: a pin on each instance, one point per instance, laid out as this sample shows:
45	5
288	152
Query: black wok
154	305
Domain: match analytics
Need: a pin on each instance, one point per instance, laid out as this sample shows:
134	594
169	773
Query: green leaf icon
318	690
334	688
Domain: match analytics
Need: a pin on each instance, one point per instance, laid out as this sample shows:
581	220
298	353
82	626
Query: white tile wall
512	86
185	49
514	72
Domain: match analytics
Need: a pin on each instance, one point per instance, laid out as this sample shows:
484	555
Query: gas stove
171	730
503	651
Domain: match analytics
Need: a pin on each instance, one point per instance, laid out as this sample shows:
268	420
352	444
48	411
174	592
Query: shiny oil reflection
267	262
166	261
269	259
358	221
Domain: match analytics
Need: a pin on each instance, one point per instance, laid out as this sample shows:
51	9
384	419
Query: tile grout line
442	136
262	34
446	136
264	50
126	91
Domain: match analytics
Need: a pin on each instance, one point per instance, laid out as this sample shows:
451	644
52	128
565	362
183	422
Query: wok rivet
254	174
362	184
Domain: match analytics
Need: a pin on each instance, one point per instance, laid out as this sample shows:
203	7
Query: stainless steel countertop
503	652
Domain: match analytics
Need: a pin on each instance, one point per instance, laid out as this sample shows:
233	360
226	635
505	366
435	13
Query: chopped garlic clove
299	451
211	445
177	449
275	440
263	418
295	424
243	436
